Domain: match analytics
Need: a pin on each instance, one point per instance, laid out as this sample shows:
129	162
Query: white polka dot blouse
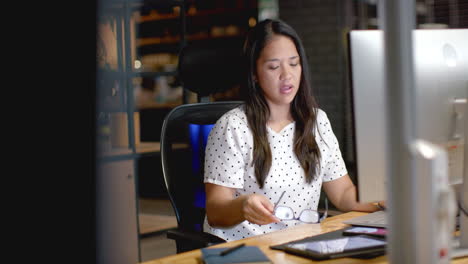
228	159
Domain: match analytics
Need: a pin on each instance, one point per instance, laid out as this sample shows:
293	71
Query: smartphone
338	247
360	230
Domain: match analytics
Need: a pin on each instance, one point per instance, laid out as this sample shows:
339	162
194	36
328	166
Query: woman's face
279	71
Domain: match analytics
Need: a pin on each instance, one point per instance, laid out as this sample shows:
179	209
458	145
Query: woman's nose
285	73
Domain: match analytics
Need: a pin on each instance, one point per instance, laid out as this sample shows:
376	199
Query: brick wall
322	25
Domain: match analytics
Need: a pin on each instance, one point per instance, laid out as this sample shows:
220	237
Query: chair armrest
202	238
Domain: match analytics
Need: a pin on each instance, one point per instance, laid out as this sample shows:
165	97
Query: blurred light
137	64
424	148
176	10
432	26
192	10
450	55
252	22
427	152
451	62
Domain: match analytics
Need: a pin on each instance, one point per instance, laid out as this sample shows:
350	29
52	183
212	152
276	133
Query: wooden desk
283	236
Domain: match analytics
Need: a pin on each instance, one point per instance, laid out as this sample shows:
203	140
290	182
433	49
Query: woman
277	147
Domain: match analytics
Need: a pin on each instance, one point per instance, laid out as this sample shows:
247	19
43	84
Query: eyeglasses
307	215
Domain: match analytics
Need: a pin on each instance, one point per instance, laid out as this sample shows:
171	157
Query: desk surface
283	236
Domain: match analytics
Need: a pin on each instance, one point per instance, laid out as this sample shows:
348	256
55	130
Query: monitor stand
461	242
461	250
434	238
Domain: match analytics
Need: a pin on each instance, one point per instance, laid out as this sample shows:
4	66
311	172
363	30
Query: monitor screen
441	88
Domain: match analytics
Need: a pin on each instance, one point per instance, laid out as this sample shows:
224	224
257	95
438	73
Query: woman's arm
342	193
224	210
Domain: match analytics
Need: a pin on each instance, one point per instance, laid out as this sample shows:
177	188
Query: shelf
107	152
156	105
152	223
146	147
154	74
143	148
158	40
175	40
151	148
154	16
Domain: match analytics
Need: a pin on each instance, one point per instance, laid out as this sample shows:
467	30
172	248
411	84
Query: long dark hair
303	107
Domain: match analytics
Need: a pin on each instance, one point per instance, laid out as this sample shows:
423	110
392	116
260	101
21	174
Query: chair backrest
221	61
183	139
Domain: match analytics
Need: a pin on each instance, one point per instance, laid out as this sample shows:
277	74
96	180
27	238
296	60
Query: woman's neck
280	114
279	117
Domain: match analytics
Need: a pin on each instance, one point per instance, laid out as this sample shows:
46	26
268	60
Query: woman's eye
273	67
294	64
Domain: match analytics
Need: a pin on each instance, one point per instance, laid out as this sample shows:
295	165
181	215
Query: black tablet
350	246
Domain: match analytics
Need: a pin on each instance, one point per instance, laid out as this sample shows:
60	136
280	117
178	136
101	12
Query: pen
379	206
229	250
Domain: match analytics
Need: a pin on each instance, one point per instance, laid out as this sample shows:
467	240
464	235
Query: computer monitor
440	60
441	88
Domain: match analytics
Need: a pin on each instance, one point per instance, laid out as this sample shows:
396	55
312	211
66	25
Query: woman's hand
223	209
257	209
342	194
382	205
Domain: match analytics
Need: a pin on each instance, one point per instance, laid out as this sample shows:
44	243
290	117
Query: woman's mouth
285	89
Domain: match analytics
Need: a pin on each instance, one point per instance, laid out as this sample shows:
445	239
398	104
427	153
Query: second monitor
441	88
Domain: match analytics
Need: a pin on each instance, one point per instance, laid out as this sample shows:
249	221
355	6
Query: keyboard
379	219
375	219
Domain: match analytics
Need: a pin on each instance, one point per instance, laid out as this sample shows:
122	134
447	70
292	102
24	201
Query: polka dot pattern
228	158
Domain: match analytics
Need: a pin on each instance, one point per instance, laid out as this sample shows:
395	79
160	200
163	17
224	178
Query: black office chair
204	68
183	140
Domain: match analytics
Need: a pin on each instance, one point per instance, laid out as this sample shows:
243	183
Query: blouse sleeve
226	152
333	163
